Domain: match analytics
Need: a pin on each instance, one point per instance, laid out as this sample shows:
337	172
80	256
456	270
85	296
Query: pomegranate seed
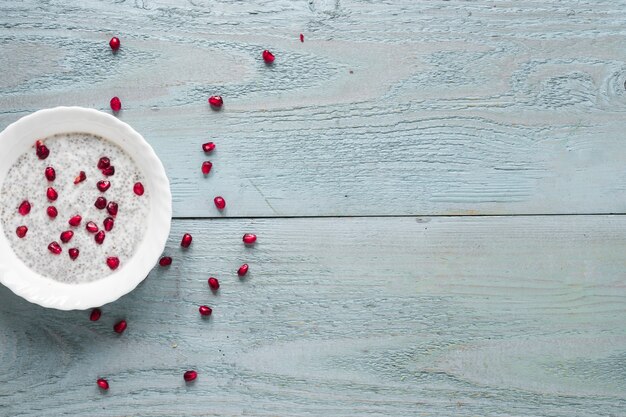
42	150
114	43
301	37
52	194
190	376
268	57
113	262
116	104
243	270
91	227
103	384
120	326
75	220
165	261
104	162
206	167
55	248
216	101
208	147
81	177
108	224
24	208
112	208
220	203
66	236
214	284
52	212
138	188
107	172
95	314
205	310
249	238
103	185
50	174
21	231
99	237
100	203
73	255
186	240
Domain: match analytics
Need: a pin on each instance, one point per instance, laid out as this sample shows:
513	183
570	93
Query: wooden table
437	186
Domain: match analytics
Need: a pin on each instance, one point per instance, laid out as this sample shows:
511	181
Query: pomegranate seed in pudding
99	237
73	253
103	185
108	224
42	150
21	231
112	208
81	177
100	203
208	147
113	262
301	37
55	248
24	208
75	220
138	188
190	376
95	314
107	172
120	326
50	174
186	240
66	236
214	284
52	194
91	227
205	310
243	270
103	384
268	57
116	104
114	43
216	102
165	261
220	203
104	162
206	167
52	212
249	238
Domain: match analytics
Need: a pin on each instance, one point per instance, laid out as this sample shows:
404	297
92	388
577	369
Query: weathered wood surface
486	316
404	107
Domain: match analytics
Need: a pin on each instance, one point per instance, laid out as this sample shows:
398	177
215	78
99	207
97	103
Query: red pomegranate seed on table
104	162
112	208
120	326
114	43
103	185
107	172
216	102
103	384
138	188
24	208
243	270
75	220
21	231
66	236
99	237
116	104
100	203
205	310
220	203
81	177
165	261
113	262
52	212
55	248
214	284
186	240
95	314
91	227
268	57
52	194
108	224
189	376
50	174
73	252
249	238
208	147
206	167
41	150
301	37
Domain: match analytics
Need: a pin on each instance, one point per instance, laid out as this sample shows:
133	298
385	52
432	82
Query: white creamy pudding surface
82	258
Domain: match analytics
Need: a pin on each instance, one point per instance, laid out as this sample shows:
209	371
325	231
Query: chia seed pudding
27	181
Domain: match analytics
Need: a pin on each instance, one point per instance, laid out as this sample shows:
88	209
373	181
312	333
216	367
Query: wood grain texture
474	316
404	107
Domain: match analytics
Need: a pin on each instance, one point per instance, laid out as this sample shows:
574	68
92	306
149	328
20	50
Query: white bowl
18	138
